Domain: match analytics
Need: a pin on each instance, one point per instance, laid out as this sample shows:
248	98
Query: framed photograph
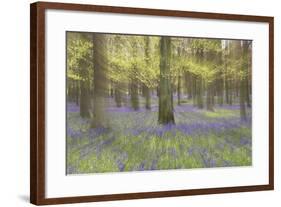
131	103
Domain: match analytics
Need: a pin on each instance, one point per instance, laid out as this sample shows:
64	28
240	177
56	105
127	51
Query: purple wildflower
73	133
72	107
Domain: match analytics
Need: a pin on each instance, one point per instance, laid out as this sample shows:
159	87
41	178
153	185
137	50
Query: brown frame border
37	102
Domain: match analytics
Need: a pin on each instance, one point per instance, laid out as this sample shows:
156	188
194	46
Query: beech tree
165	114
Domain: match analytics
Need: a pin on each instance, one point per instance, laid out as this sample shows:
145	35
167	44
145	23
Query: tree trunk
194	89
227	91
243	114
147	97
220	91
230	92
199	93
77	92
210	101
100	81
248	100
134	94
165	114
179	90
118	95
84	100
242	87
146	90
111	89
188	84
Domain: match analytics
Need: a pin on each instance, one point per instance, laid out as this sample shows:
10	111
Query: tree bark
242	85
134	94
118	95
243	114
166	114
84	100
179	90
77	92
146	89
100	81
210	101
199	93
188	84
147	98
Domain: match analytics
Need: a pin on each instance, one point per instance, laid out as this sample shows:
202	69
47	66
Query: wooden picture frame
38	98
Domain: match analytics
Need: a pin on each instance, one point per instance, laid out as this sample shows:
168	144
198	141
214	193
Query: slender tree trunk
179	90
226	75
100	81
199	93
165	114
230	92
248	79
146	90
248	100
157	91
220	92
188	84
70	90
194	89
77	92
220	81
147	97
118	95
134	94
227	91
84	100
242	86
210	101
199	81
243	114
111	89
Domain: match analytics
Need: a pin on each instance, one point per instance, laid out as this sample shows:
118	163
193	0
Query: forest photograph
145	103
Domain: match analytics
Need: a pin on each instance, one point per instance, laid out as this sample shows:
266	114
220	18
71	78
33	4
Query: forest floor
135	141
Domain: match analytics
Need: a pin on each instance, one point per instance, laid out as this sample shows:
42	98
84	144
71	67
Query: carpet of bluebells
135	142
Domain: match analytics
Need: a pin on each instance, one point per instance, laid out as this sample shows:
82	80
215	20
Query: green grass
121	150
221	113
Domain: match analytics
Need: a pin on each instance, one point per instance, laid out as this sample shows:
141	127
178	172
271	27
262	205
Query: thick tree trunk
165	114
100	81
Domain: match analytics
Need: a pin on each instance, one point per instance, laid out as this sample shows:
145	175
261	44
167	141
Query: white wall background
14	102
